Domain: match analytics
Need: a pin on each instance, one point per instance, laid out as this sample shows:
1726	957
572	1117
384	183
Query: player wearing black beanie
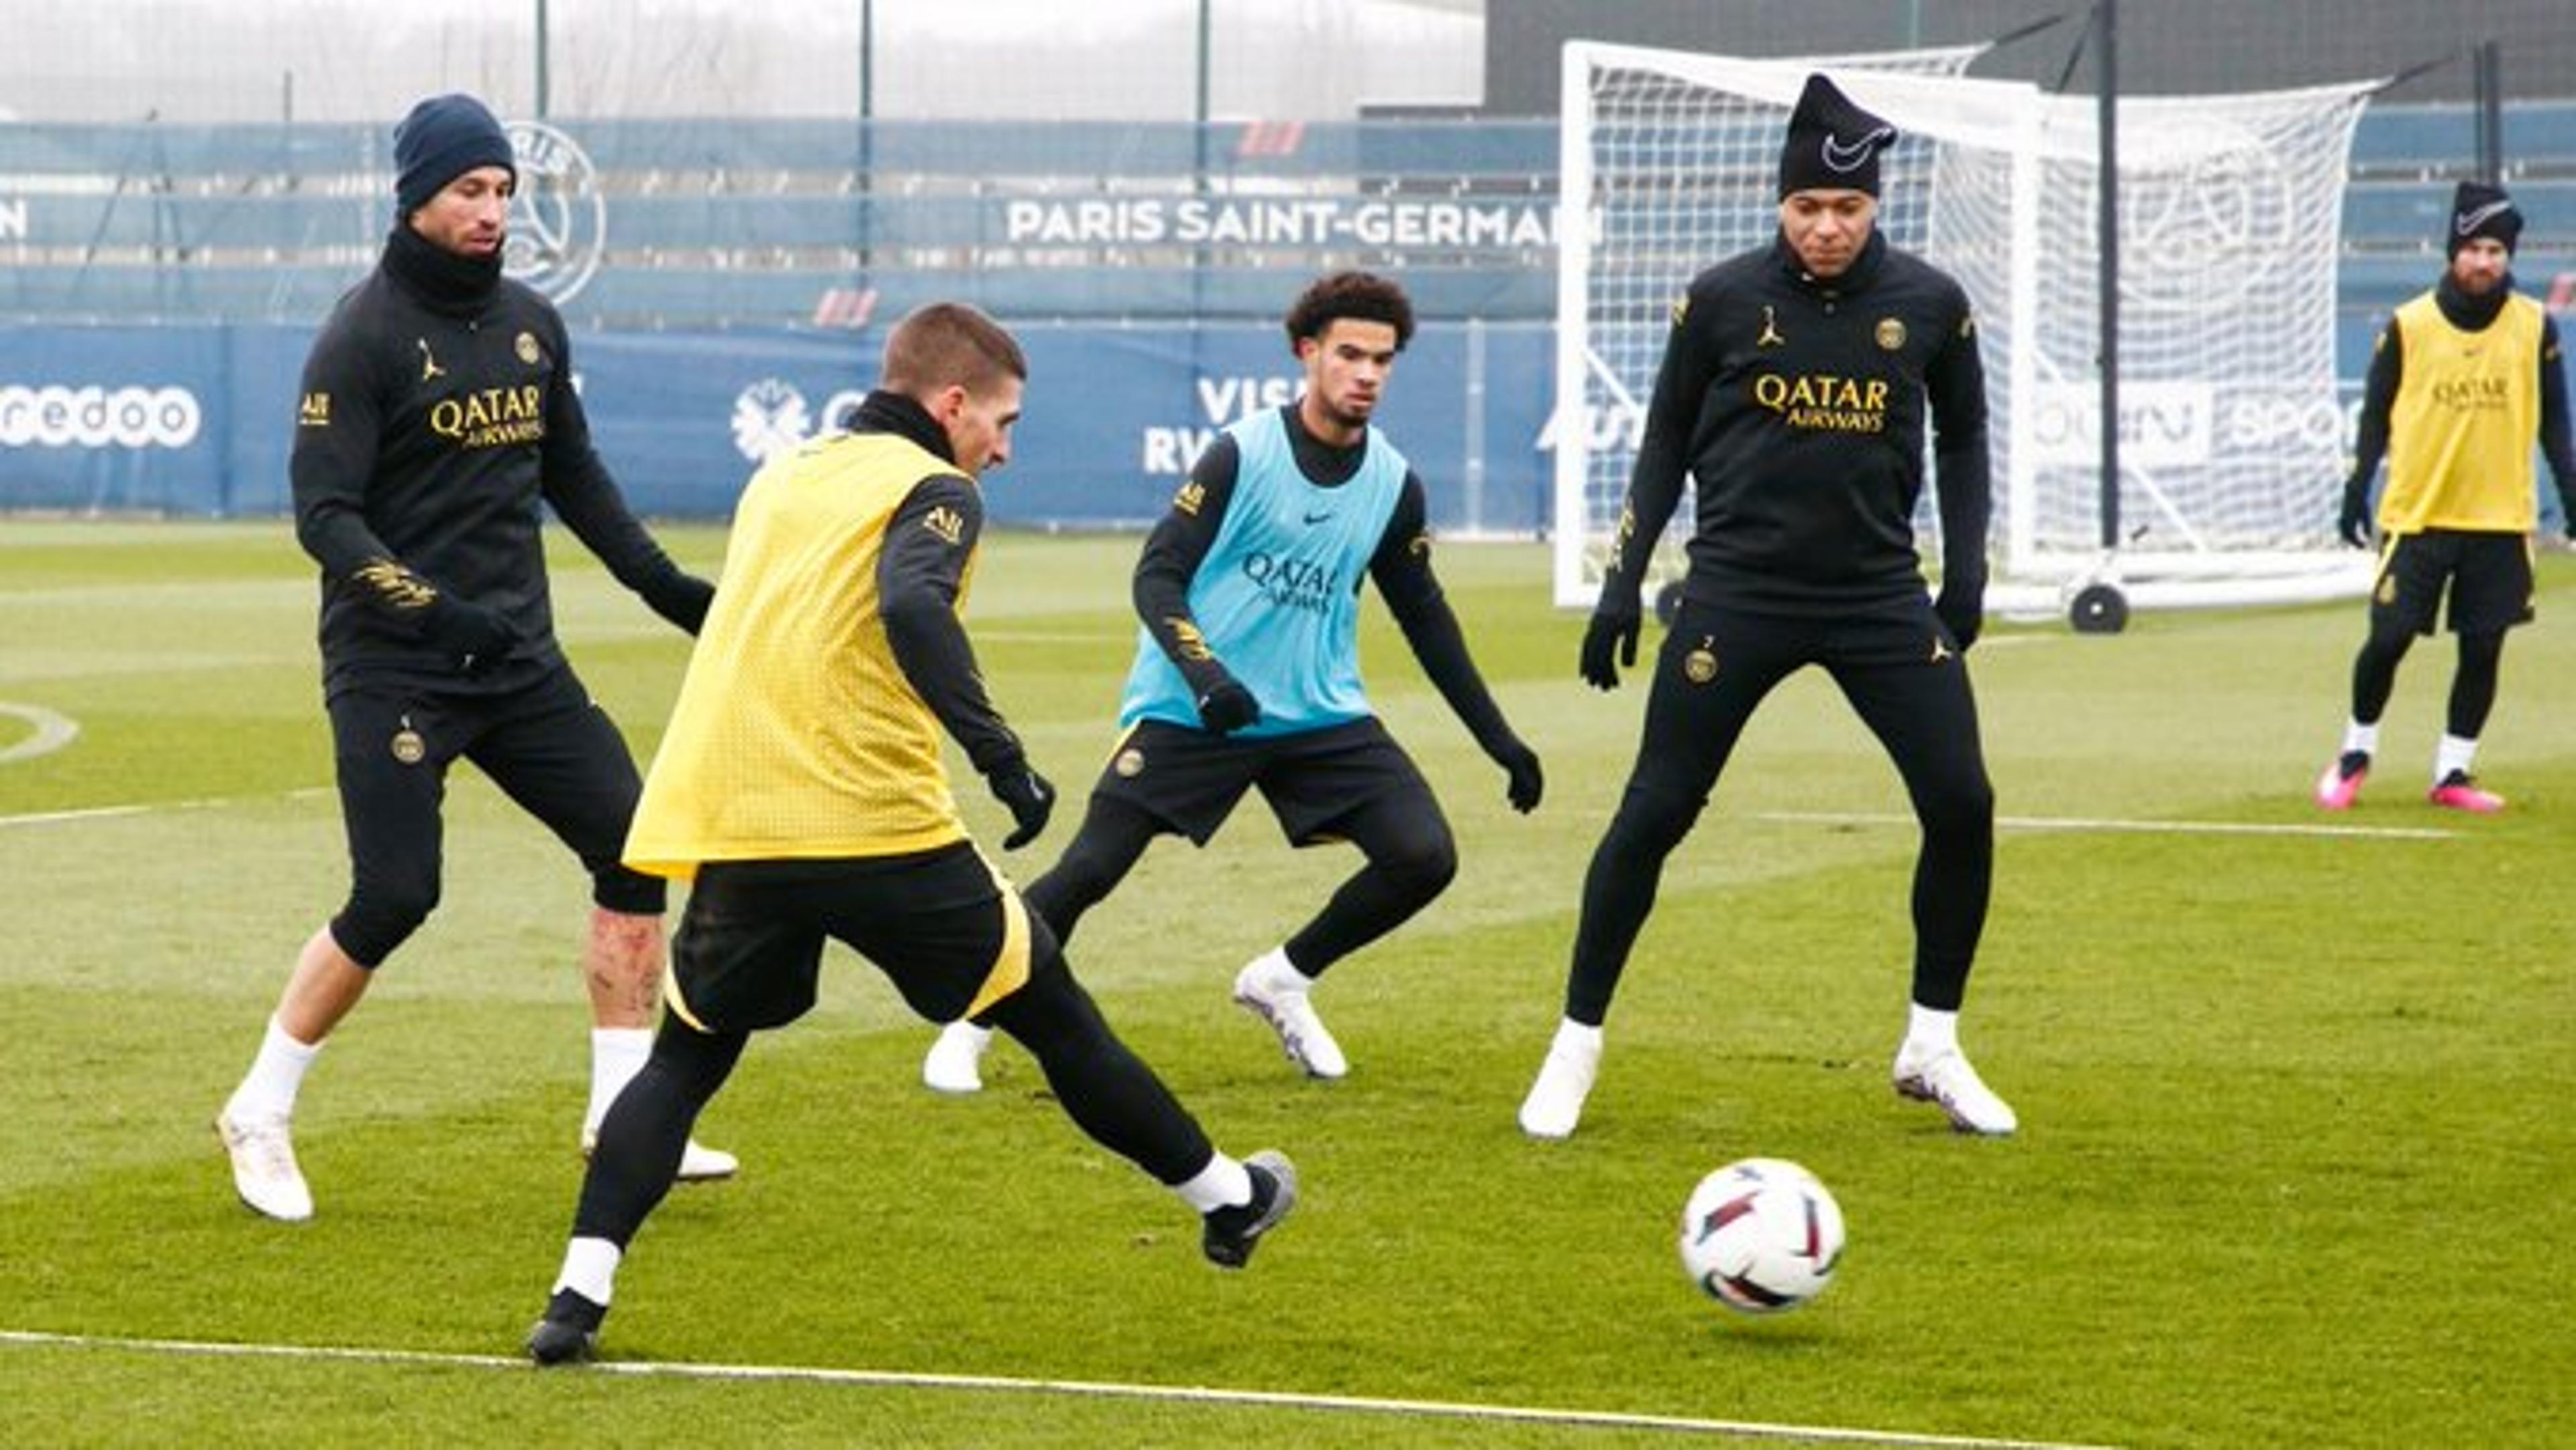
443	138
1831	144
437	425
2463	381
2479	210
1794	392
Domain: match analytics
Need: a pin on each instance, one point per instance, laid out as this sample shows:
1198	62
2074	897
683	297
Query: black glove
474	637
1615	622
681	598
1030	798
1228	706
1521	764
2354	524
1962	610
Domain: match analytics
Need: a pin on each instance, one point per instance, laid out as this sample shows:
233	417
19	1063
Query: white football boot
1945	1078
264	1171
1555	1101
1276	992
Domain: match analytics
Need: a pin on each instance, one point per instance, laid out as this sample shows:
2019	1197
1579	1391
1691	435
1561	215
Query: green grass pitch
2294	1168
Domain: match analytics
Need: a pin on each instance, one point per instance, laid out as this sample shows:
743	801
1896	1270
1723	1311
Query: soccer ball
1761	1235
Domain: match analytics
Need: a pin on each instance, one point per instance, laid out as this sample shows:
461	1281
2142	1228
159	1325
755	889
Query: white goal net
2231	442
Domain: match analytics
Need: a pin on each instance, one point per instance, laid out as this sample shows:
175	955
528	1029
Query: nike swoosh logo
2476	219
1839	157
1318	518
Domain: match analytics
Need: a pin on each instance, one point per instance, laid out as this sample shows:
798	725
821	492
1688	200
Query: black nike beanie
1832	144
2479	210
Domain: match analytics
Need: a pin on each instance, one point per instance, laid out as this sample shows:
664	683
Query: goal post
2231	206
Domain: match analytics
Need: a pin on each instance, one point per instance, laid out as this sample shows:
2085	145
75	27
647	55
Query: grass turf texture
2293	1168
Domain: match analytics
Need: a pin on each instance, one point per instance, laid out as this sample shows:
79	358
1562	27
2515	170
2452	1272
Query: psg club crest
558	218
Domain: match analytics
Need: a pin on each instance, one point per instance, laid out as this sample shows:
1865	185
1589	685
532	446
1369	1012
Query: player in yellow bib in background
2463	380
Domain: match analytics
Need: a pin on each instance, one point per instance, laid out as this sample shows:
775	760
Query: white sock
1224	1183
1274	971
2364	738
2453	754
616	1055
589	1269
268	1090
1929	1031
1575	1039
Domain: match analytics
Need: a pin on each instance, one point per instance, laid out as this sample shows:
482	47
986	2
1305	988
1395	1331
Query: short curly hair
1364	296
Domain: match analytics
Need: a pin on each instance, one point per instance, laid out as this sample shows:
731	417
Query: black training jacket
437	410
1797	406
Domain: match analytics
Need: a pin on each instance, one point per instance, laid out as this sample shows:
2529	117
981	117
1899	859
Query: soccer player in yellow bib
2463	379
801	787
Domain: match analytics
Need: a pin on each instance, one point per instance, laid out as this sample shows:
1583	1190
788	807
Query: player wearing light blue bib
1247	673
1277	594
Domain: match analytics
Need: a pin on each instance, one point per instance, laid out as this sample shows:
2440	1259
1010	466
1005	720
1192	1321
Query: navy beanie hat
2479	210
443	138
1832	144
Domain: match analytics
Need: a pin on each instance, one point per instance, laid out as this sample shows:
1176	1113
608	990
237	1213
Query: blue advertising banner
197	420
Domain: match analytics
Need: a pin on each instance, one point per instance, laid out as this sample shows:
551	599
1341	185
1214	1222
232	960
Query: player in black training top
1793	390
437	413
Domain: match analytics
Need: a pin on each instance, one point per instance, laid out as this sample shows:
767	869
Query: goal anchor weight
2098	608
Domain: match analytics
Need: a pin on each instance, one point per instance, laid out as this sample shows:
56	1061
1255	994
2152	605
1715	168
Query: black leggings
1922	711
2473	685
1106	1089
1411	858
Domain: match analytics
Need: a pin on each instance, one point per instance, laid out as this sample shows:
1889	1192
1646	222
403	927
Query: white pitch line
2153	828
53	731
1187	1394
92	813
109	813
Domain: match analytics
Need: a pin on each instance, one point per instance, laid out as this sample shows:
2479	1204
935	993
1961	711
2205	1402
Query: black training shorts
1189	780
2488	576
548	746
949	933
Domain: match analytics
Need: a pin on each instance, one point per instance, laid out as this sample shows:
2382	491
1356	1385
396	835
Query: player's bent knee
378	920
1424	867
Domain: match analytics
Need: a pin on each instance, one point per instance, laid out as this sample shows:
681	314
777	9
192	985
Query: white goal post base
2146	581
